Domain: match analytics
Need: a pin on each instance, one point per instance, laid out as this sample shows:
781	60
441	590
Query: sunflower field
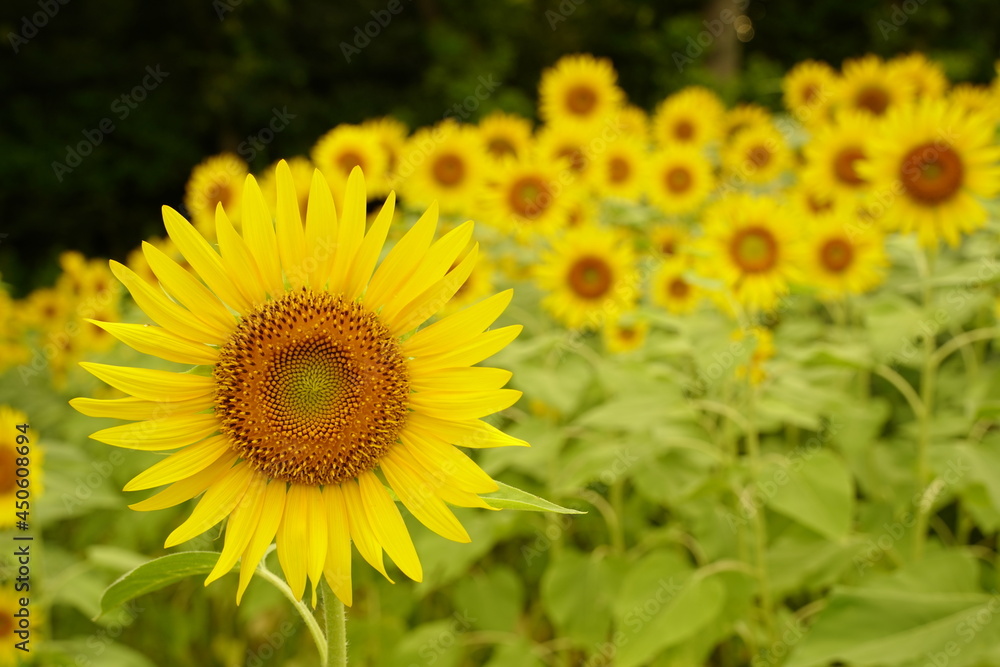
700	384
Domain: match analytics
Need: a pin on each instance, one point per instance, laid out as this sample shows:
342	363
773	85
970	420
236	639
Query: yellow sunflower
670	289
679	180
870	86
570	148
633	122
839	259
315	394
925	77
391	136
691	116
345	147
216	180
579	89
620	169
302	170
809	90
976	100
19	448
935	162
756	155
505	136
751	246
588	276
835	153
742	117
525	200
448	167
669	242
625	333
581	208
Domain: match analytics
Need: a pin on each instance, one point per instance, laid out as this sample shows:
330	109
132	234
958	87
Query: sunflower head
218	180
579	89
679	179
625	333
691	116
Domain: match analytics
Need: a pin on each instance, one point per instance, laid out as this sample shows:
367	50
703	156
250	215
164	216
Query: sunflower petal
321	230
472	433
160	342
219	500
238	260
388	526
402	260
431	300
481	347
258	232
420	500
338	552
189	291
240	527
151	384
463	406
460	380
438	482
137	409
293	534
460	328
370	250
350	232
361	530
189	461
186	489
447	463
288	224
264	531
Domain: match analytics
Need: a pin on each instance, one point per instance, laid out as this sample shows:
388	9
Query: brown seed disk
311	389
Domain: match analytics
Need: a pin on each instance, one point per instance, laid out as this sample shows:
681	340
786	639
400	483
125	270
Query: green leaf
510	498
492	600
815	490
157	574
577	590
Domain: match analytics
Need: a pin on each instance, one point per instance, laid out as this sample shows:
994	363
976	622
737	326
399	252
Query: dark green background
226	76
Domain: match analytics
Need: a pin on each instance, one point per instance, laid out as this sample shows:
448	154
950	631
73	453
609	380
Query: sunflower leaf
510	498
157	574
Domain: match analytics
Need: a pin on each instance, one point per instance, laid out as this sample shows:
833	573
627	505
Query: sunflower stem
336	627
304	612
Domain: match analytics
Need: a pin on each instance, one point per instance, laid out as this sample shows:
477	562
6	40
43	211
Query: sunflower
505	136
670	289
756	155
679	180
808	91
570	147
314	390
216	180
16	438
581	209
669	242
391	136
634	122
925	77
742	117
625	333
937	161
447	165
840	260
525	200
691	116
588	275
751	248
835	153
302	170
620	169
976	100
579	89
869	85
345	147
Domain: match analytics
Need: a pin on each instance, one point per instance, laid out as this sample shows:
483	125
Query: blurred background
150	89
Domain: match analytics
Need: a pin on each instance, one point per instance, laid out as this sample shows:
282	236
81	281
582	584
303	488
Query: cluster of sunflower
697	205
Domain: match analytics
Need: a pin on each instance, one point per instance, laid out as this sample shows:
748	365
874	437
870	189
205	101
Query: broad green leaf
157	574
577	590
437	643
491	600
516	654
511	498
814	489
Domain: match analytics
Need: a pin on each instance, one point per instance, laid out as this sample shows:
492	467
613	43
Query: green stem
304	611
336	627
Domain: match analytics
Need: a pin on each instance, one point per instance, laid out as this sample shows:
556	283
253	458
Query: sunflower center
8	459
618	170
809	93
872	98
348	160
590	277
498	146
931	173
6	624
817	204
678	288
311	389
843	165
627	334
754	249
759	156
684	130
678	180
449	170
219	193
577	160
581	100
530	196
836	255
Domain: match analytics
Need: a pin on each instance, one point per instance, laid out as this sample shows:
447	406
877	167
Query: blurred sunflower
925	77
580	208
869	85
620	169
808	91
525	200
448	168
345	147
10	419
588	275
633	122
834	154
691	116
669	242
671	290
938	161
391	136
756	155
679	180
840	260
976	100
752	247
505	136
479	285
568	147
742	117
625	333
579	89
215	180
314	384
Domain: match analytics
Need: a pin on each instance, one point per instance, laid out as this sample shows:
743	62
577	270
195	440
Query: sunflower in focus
316	395
756	155
525	200
670	289
679	180
345	147
588	276
808	91
215	180
752	247
870	85
925	77
625	333
505	136
10	458
620	169
448	167
945	161
579	89
835	153
302	170
840	260
691	116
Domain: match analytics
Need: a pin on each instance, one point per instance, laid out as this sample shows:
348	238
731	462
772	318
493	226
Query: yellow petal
388	526
177	466
481	347
186	489
321	231
189	291
264	531
238	261
460	380
258	232
203	259
338	552
219	500
151	384
156	435
460	328
293	539
431	268
240	528
361	531
420	499
431	300
163	311
288	223
463	406
136	409
402	260
438	481
161	343
370	250
350	231
447	463
316	535
473	433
